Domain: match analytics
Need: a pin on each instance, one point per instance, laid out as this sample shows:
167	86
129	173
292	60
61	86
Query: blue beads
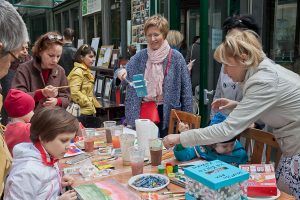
150	181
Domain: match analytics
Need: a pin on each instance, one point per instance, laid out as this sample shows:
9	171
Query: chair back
256	142
188	118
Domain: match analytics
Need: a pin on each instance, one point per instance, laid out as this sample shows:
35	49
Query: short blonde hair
174	38
157	21
238	42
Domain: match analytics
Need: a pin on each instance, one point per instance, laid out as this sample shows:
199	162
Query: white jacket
30	178
270	93
228	89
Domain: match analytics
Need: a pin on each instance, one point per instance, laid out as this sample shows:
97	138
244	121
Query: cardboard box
214	180
262	180
216	174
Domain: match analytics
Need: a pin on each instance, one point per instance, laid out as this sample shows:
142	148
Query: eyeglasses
55	37
155	35
14	56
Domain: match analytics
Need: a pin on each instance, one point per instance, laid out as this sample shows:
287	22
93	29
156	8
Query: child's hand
68	195
183	127
67	181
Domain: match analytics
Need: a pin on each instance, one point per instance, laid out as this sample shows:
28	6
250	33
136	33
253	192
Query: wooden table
123	173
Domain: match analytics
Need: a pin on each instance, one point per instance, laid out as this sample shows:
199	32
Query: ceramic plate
266	198
133	179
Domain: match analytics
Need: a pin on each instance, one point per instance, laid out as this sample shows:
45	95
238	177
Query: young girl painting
35	173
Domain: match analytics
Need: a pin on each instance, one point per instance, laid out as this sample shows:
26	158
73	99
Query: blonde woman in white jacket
270	93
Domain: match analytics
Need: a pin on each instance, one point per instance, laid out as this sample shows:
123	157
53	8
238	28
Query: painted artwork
73	150
105	190
140	12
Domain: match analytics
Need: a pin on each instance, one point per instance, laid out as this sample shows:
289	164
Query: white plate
266	198
142	189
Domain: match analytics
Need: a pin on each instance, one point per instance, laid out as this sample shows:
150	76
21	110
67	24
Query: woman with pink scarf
166	73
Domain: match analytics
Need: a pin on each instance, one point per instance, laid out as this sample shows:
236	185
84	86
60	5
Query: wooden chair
188	118
255	142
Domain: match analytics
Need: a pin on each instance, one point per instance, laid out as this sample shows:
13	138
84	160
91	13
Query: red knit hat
18	103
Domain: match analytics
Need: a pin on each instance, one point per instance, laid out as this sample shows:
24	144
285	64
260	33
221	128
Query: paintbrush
165	193
130	83
177	116
65	86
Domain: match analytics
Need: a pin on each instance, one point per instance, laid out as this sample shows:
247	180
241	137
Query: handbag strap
169	63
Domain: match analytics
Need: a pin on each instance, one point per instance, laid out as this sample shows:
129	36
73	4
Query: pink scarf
154	74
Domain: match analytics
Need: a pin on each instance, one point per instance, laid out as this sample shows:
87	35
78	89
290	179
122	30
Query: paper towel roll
145	130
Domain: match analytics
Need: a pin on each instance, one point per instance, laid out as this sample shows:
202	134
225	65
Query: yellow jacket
82	89
5	157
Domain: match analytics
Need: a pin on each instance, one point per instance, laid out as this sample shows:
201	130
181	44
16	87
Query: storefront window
66	19
116	27
193	24
90	28
75	23
58	22
99	27
282	49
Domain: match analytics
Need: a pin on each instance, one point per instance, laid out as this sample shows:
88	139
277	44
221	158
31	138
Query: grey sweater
270	93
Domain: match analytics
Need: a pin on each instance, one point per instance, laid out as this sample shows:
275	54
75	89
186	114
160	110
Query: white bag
74	109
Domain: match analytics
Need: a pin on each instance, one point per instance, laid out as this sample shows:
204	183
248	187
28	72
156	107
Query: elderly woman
83	81
174	39
167	76
40	76
13	35
6	80
270	93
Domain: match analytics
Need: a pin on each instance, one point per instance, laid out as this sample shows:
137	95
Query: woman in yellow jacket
82	86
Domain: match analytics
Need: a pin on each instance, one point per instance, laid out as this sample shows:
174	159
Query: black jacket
67	56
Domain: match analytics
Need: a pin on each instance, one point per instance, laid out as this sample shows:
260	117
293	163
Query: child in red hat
19	106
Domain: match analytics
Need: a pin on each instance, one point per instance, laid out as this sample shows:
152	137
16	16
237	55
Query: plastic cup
89	144
100	137
126	141
108	125
89	132
137	154
155	146
115	133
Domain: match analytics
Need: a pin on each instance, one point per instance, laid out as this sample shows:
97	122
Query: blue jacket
177	88
236	157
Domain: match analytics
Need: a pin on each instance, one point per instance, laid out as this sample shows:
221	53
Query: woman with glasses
12	35
271	93
83	91
6	80
41	76
166	74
